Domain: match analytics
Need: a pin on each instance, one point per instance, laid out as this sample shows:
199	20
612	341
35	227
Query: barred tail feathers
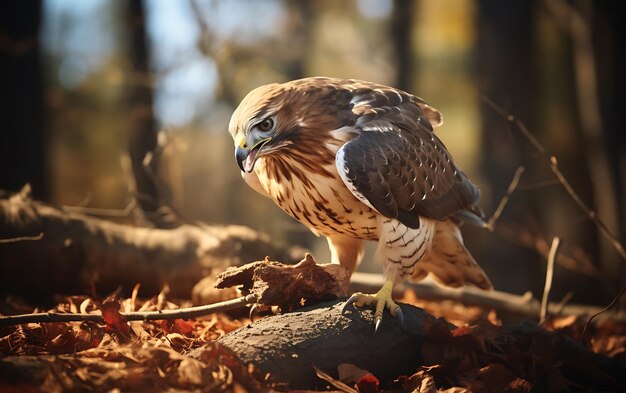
449	262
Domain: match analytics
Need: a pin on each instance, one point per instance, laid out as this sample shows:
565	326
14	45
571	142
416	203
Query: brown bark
143	147
402	21
77	253
287	346
288	286
23	150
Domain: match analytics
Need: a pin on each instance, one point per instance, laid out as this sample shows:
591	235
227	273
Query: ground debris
154	356
288	286
478	354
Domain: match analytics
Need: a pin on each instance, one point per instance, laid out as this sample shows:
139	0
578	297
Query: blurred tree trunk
504	64
576	23
300	21
400	30
510	63
610	51
143	141
23	156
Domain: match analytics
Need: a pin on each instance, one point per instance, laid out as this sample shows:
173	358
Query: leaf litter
155	356
480	355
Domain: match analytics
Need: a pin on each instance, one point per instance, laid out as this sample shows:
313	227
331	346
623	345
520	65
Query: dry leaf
190	371
114	320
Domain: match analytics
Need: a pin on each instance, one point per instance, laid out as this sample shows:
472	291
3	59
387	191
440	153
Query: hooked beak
246	157
240	155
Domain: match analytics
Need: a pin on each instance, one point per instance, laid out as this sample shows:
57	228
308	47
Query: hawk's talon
382	299
377	324
400	316
253	309
350	301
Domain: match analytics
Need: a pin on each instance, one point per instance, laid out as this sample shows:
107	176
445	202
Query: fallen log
48	250
288	346
298	347
266	283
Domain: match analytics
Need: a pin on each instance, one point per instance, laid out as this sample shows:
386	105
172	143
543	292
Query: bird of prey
353	161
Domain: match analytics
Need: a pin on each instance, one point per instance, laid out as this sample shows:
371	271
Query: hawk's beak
246	157
240	155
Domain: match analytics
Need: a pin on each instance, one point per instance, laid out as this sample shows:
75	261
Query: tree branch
181	313
491	223
507	303
554	249
264	282
552	161
22	239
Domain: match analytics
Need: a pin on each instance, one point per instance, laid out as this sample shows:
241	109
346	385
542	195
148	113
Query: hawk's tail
449	261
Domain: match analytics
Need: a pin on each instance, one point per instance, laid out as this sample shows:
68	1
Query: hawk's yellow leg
382	299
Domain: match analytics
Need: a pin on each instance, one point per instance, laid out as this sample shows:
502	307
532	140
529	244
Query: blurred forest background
92	90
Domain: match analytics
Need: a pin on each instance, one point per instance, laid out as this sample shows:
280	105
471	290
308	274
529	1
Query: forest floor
482	354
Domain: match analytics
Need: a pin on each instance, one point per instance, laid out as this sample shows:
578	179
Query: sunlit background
201	57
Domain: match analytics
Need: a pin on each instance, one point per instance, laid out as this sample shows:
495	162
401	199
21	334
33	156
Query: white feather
400	248
343	171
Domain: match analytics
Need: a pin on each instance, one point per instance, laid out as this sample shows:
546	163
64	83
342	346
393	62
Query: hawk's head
273	117
296	117
255	123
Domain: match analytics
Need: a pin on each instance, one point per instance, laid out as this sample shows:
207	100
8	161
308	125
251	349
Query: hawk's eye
266	125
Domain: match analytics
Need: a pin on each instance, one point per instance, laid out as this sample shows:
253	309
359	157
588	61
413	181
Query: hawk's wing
398	166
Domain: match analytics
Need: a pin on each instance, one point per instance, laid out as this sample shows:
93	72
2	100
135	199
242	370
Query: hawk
353	161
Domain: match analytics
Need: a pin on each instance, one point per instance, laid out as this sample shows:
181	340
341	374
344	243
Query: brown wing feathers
399	164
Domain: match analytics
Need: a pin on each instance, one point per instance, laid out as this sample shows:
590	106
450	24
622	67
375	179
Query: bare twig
163	212
100	212
575	19
335	382
554	249
605	309
575	260
568	296
539	184
181	313
201	22
22	239
491	223
559	175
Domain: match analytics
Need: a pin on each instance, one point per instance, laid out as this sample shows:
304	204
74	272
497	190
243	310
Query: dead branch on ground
77	252
507	304
293	286
22	239
181	313
264	282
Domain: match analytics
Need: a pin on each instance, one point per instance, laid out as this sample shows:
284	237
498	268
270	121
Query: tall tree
401	23
504	66
143	141
23	154
610	51
536	80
